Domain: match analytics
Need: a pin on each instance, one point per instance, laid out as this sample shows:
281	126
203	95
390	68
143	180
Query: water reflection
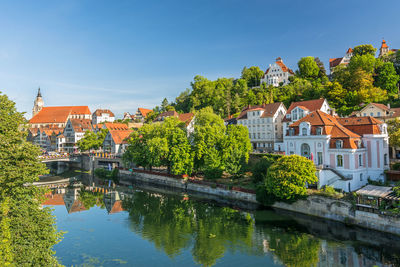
177	224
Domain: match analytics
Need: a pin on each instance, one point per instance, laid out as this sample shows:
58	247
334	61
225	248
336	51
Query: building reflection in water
176	223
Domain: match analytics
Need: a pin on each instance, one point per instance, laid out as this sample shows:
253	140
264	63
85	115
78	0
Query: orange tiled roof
54	199
280	63
98	112
117	207
58	114
116	126
361	125
77	206
119	136
144	111
349	51
384	45
171	113
381	106
330	126
311	105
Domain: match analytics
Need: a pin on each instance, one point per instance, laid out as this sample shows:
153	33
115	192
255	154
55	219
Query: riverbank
317	206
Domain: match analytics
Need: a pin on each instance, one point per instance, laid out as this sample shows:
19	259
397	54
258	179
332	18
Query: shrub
286	179
260	168
396	166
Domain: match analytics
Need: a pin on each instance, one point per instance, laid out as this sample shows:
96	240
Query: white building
347	151
74	131
277	74
102	115
264	124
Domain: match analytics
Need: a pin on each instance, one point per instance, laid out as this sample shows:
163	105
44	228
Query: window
359	143
360	162
365	114
339	161
258	135
319	158
361	177
318	131
385	159
291	132
254	135
301	113
339	144
372	114
378	114
303	131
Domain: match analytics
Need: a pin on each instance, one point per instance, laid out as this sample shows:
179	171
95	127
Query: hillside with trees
364	80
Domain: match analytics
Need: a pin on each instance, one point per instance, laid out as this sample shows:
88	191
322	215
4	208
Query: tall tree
252	75
366	49
164	105
387	79
308	68
30	228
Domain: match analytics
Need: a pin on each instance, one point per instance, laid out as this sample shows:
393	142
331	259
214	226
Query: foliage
30	228
287	178
396	166
394	132
387	79
92	140
107	175
260	168
366	49
252	76
90	199
308	68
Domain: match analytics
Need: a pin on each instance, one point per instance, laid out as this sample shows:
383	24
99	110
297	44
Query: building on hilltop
334	62
264	123
102	115
346	151
384	49
277	74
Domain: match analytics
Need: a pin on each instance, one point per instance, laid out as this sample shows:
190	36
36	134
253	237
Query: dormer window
339	144
301	113
318	131
291	132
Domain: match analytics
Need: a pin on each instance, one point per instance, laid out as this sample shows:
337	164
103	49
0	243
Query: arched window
303	131
305	150
339	161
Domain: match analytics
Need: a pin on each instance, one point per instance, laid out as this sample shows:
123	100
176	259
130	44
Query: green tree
164	105
30	228
287	178
394	132
366	49
237	147
92	140
252	76
308	68
387	79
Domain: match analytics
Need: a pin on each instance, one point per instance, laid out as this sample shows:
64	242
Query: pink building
346	151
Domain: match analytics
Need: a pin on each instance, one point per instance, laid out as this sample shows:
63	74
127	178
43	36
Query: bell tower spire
38	104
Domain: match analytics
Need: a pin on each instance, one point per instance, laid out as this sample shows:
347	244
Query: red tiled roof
280	63
269	110
171	113
98	112
119	136
77	206
333	62
81	125
361	125
186	117
311	105
116	126
394	112
144	111
331	127
381	106
384	45
349	51
58	114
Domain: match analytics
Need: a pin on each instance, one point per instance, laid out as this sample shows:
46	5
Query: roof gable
311	105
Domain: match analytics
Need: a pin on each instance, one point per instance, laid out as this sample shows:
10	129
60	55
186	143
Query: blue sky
125	54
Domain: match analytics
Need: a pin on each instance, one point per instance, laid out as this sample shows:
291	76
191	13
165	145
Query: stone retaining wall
318	206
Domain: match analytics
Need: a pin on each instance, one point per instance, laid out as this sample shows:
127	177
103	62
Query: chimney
333	111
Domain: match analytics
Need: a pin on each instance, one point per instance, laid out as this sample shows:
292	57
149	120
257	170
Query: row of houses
347	151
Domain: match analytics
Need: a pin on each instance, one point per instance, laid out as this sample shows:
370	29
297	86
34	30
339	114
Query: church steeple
38	104
384	48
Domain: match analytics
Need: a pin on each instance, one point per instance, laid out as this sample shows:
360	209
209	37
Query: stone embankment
318	206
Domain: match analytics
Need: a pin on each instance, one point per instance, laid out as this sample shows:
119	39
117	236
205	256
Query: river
133	226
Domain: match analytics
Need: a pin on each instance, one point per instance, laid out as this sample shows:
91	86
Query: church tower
38	104
384	49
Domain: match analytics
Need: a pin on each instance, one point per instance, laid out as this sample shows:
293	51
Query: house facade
384	49
115	141
102	115
346	151
334	62
141	114
264	124
74	131
277	74
379	111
